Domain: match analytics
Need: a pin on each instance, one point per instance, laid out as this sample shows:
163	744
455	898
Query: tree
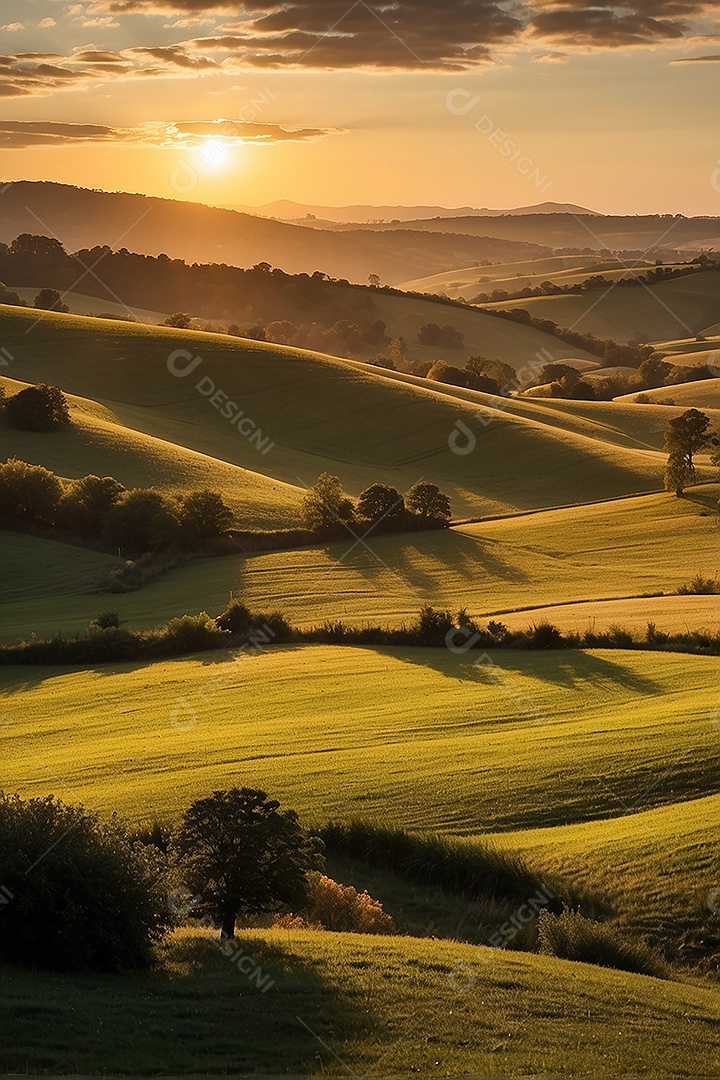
81	896
380	501
325	503
38	408
653	372
501	373
240	854
179	320
203	516
446	373
28	493
136	520
374	280
685	436
428	501
50	300
87	503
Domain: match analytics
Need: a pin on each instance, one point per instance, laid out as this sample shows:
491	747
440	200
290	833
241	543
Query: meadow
609	551
451	742
683	307
343	1001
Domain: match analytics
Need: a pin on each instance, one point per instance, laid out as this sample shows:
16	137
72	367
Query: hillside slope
321	413
344	1002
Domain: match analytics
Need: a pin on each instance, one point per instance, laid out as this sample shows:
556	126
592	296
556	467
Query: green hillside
535	739
319	413
342	1001
683	307
656	868
560	269
624	548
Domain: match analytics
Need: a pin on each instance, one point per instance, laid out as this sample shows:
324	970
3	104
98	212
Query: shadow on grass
568	668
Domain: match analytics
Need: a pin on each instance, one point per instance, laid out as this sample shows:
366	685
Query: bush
700	586
570	936
80	896
344	909
38	408
545	636
192	633
28	494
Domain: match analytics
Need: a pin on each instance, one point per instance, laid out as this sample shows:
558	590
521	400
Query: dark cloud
188	135
604	28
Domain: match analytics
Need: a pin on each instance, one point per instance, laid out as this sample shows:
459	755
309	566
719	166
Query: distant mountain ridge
85	218
362	213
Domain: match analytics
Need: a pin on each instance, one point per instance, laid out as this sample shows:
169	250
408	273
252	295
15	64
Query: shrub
28	493
343	908
192	633
38	408
80	895
571	936
134	521
50	300
545	636
700	586
87	502
106	620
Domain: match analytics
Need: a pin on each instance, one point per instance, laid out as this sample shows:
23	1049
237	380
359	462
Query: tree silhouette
685	436
240	854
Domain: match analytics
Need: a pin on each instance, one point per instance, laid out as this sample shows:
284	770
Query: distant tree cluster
565	381
444	337
597	281
327	509
36	408
99	510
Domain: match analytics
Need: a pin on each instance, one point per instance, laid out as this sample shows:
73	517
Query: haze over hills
82	218
287	210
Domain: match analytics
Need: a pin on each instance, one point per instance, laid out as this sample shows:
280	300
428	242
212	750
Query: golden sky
487	103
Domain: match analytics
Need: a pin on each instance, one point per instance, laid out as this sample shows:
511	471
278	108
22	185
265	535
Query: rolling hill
533	740
511	277
82	218
321	413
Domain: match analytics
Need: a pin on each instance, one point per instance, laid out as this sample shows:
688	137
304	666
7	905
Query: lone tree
428	501
240	854
685	436
380	501
325	503
38	408
50	300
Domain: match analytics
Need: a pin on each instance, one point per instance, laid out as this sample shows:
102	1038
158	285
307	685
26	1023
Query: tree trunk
227	931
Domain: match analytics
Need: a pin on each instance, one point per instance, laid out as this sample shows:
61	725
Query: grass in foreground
343	1001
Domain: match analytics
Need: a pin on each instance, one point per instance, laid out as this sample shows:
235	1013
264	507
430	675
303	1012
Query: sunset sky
613	106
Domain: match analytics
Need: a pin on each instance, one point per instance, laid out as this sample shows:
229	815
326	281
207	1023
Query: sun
213	153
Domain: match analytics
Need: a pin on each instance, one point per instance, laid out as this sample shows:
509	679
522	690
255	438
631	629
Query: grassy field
656	869
320	414
80	304
674	614
680	308
649	544
704	394
97	442
420	737
345	1002
560	269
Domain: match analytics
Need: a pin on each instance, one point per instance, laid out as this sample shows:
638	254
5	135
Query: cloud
178	135
12	27
600	28
550	58
712	59
45	24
